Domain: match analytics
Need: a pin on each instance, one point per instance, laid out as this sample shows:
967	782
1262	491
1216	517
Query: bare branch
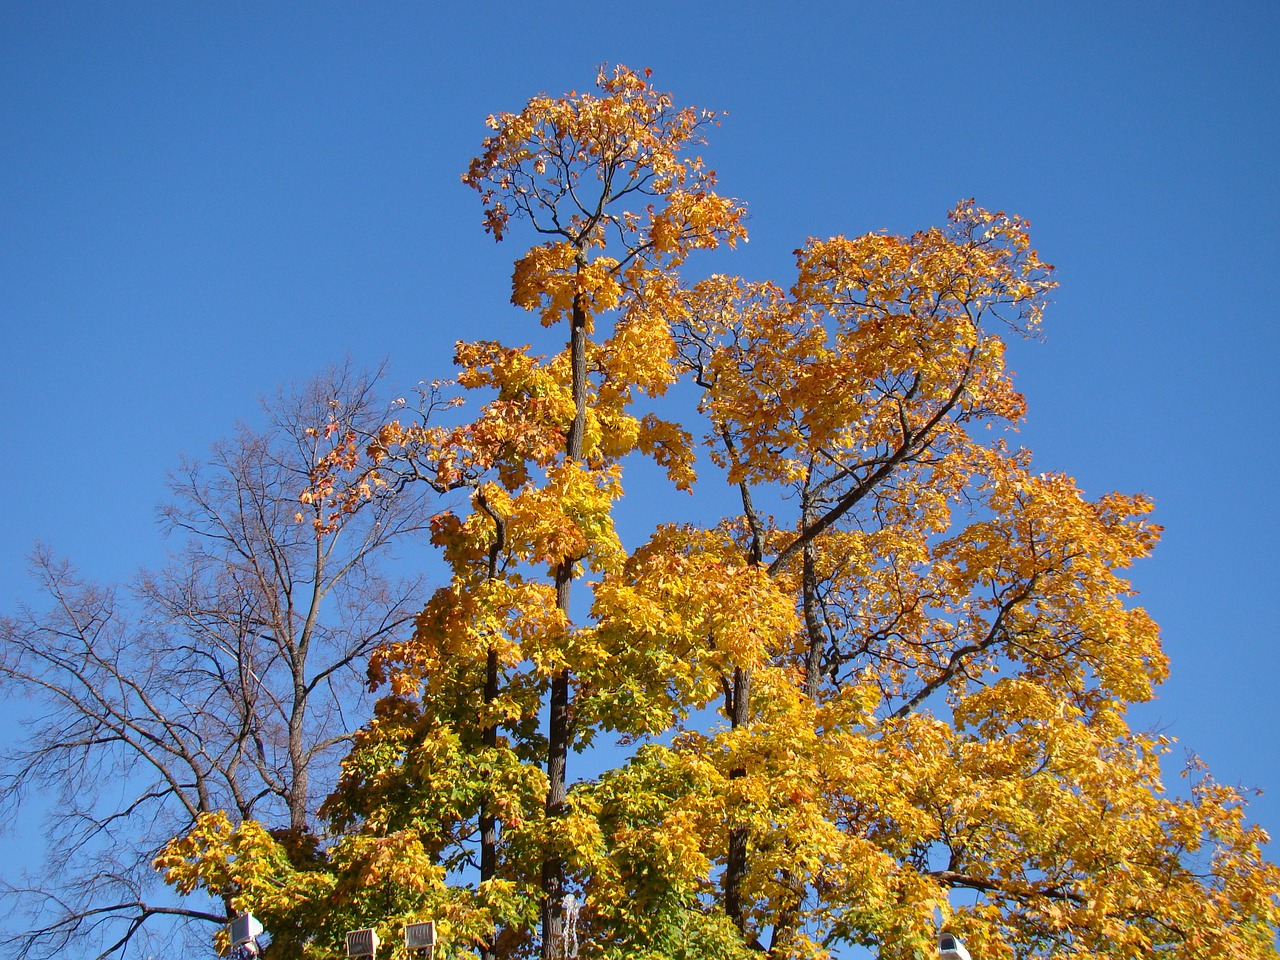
228	678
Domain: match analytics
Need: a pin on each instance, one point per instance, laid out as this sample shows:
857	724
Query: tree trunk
488	822
812	625
558	733
739	709
736	864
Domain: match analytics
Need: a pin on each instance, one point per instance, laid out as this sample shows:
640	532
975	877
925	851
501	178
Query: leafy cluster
920	649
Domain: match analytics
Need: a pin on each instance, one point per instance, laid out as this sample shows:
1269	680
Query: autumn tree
229	679
920	649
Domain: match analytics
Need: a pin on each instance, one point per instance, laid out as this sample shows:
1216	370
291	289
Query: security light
243	929
951	947
362	943
420	936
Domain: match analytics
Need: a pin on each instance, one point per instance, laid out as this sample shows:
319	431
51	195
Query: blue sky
199	202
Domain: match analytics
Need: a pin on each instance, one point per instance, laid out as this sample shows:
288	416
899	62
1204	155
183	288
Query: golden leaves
940	641
555	278
594	170
242	862
682	613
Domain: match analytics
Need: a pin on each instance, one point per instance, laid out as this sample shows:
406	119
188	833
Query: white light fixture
243	929
362	943
951	947
420	936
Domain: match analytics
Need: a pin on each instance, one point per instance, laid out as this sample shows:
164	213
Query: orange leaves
922	650
916	305
345	477
1065	552
555	278
525	423
596	171
973	567
671	447
1060	819
545	272
639	354
569	517
906	316
586	148
693	220
877	355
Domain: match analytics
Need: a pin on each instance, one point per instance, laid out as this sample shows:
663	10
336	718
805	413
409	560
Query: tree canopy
887	690
226	681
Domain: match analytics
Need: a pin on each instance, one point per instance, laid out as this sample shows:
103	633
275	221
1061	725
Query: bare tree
228	679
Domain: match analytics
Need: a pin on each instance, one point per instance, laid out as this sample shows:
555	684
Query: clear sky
201	201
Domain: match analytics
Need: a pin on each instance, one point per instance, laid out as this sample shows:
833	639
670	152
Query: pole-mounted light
248	938
362	943
420	937
951	947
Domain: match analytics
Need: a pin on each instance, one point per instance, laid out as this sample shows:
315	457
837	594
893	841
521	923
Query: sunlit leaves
685	610
926	646
596	170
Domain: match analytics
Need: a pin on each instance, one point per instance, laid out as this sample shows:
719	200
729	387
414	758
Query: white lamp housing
951	947
243	929
420	936
362	943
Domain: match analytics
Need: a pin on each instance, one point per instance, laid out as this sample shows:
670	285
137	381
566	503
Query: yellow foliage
919	648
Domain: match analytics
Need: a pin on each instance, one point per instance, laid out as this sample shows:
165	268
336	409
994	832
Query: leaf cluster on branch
886	690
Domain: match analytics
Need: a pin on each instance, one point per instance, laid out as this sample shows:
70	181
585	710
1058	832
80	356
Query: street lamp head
420	936
362	943
951	947
243	929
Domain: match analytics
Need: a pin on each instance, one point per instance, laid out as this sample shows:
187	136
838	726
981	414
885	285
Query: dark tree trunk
812	623
488	822
558	733
736	864
739	709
